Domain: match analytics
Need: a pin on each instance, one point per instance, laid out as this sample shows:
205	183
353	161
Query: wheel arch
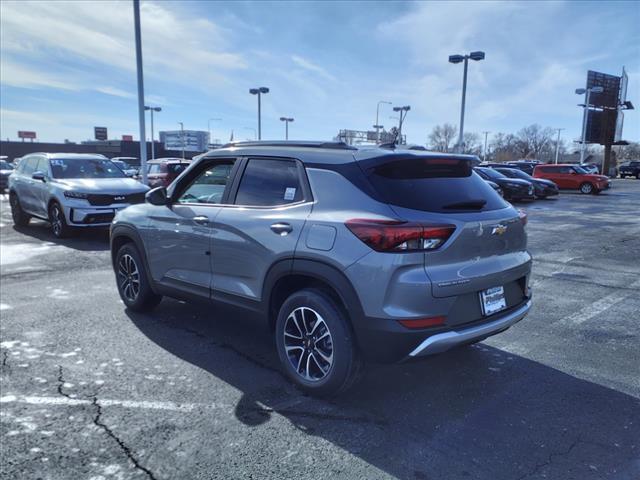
122	235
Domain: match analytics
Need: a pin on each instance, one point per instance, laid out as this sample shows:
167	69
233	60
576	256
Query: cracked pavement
89	390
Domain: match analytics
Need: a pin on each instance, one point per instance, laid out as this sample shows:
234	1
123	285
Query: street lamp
477	56
286	121
255	135
587	91
259	91
402	112
209	127
377	126
182	137
152	109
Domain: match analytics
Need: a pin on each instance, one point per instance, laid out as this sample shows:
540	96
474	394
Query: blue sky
66	67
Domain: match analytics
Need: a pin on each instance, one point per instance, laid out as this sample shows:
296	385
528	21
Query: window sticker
290	193
57	162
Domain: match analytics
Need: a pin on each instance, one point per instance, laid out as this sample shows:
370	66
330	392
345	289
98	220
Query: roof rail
292	143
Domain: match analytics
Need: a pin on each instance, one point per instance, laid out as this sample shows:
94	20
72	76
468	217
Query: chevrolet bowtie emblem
499	229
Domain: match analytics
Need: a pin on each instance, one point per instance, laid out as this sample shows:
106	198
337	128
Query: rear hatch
488	245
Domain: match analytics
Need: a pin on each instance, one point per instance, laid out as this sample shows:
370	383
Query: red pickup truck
573	177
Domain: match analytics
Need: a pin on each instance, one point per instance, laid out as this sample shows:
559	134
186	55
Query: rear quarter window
442	185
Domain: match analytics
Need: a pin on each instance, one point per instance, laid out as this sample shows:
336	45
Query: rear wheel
586	188
315	344
58	221
133	284
20	218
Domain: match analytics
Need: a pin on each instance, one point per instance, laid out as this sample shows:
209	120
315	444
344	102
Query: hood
102	185
596	176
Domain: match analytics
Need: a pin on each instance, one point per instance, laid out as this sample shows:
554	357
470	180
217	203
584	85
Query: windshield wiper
467	205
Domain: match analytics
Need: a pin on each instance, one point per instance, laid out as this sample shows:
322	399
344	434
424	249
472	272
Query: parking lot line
587	313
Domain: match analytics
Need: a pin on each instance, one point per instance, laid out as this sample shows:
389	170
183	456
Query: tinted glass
29	165
84	168
269	183
434	185
155	168
514	173
209	185
176	168
491	173
580	170
5	165
42	166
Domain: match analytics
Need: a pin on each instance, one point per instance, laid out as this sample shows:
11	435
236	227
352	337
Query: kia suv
347	255
70	190
573	177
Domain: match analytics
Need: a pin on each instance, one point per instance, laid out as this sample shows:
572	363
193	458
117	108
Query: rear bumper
444	341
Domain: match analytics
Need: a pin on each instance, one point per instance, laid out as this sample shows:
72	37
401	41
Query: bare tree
628	152
504	147
441	137
472	144
534	141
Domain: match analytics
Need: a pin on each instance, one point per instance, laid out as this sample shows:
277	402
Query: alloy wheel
308	344
128	277
56	220
586	188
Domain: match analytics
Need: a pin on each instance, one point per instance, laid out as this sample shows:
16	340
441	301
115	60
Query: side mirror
38	176
157	196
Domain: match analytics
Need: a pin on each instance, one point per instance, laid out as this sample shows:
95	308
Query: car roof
71	156
169	160
322	152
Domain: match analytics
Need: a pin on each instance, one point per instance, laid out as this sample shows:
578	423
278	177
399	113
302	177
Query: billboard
127	138
611	89
100	133
26	134
602	126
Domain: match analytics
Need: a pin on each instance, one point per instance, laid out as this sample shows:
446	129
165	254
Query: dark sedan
542	188
513	188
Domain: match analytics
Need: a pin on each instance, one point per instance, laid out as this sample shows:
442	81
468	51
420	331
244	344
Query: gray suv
70	190
347	254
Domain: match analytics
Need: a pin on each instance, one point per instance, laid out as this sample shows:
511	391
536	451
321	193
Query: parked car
163	171
542	188
513	188
70	190
128	170
570	176
133	162
346	254
6	169
526	166
496	187
590	168
630	169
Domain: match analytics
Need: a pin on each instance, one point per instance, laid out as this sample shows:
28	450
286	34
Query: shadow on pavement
477	412
84	239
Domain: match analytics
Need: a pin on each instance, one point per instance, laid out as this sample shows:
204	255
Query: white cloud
312	67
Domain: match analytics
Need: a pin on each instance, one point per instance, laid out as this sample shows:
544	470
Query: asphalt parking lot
92	391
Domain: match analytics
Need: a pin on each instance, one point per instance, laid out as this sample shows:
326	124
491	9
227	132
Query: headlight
71	194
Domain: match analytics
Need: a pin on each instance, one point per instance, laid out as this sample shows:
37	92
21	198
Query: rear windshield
491	173
445	185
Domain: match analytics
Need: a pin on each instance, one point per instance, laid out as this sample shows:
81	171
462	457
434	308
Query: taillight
522	215
399	236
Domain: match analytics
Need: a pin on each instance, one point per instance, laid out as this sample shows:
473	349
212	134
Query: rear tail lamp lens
399	236
522	215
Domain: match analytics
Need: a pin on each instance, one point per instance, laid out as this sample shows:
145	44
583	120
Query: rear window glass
269	183
435	185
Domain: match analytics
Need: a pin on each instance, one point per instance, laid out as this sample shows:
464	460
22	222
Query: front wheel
58	221
315	344
20	218
133	284
586	188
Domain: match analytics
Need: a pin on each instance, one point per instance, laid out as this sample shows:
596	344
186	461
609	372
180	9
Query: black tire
586	188
132	280
638	176
310	371
20	218
58	221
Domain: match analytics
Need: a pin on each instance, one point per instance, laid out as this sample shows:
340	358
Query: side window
208	187
269	183
43	166
29	165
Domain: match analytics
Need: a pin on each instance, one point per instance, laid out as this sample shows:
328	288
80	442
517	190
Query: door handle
201	219
281	229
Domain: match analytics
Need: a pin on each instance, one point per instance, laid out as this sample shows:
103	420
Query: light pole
286	121
255	135
209	127
477	56
558	144
484	155
377	126
587	91
402	112
182	137
152	109
143	135
259	91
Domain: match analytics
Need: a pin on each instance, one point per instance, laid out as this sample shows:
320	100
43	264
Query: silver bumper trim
442	342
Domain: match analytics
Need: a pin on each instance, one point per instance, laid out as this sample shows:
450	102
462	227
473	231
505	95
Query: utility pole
558	144
484	156
143	136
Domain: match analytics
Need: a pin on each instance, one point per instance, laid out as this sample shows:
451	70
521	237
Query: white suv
70	190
